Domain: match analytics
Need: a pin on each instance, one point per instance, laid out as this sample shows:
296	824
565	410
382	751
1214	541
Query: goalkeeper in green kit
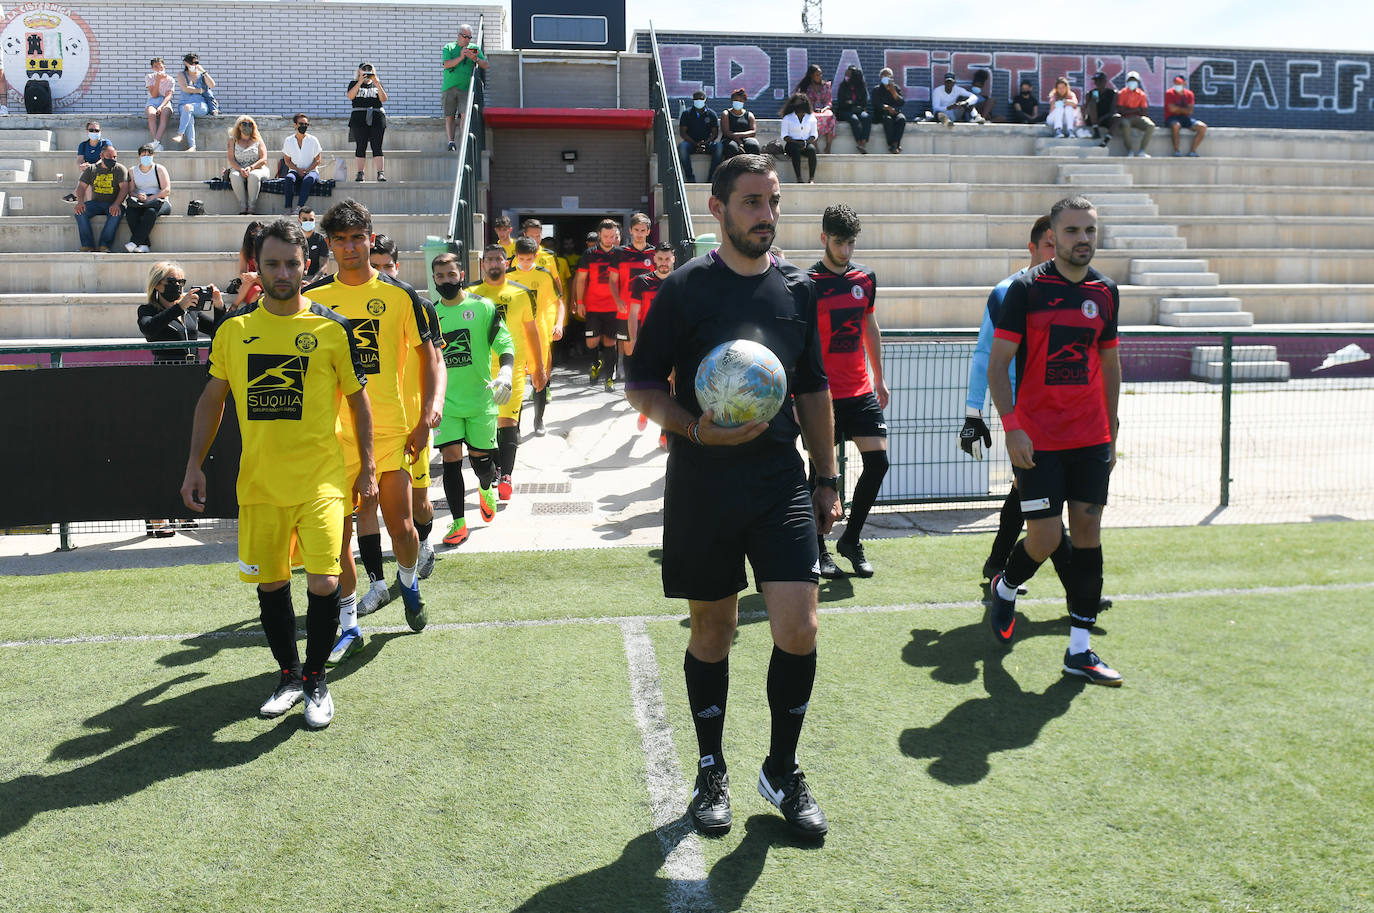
472	329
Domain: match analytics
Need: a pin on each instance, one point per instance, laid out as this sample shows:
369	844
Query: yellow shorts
419	470
389	453
517	395
270	537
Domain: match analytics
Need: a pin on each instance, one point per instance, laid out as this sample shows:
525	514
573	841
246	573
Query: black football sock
423	530
541	399
1086	593
707	687
1020	566
1008	530
507	442
454	488
865	493
1062	558
484	466
790	678
279	624
608	357
321	625
619	363
370	548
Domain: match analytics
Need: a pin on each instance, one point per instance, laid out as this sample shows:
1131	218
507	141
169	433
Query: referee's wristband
1010	423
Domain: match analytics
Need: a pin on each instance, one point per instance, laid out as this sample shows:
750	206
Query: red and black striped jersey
633	262
644	289
1059	328
599	265
843	303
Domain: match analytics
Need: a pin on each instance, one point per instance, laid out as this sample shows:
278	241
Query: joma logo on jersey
458	348
1066	360
276	387
365	341
846	330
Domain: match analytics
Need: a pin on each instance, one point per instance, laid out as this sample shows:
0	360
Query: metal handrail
669	168
469	160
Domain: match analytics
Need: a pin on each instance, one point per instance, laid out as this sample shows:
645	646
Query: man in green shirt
461	57
472	330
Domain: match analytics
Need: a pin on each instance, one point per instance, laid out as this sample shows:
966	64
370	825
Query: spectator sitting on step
247	162
317	242
174	313
817	88
1099	109
738	127
1178	112
367	122
1024	107
699	129
148	195
885	105
952	102
1131	104
851	104
196	85
88	154
100	192
1064	109
161	87
981	87
799	134
301	153
248	286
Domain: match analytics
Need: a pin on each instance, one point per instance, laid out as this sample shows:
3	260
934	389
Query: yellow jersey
508	246
541	282
288	376
411	387
516	303
387	322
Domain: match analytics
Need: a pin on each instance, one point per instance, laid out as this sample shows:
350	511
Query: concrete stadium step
123	273
1169	266
1190	278
1098	180
1145	243
429	197
1159	230
1069	147
1257	200
203	164
69	316
1216	305
1248	363
177	233
14	139
1125	210
1203	319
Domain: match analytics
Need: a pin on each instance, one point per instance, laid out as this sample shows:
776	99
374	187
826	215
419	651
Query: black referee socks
790	679
321	624
279	624
707	687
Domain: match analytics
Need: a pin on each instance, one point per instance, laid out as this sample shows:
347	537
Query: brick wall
267	57
1234	87
528	172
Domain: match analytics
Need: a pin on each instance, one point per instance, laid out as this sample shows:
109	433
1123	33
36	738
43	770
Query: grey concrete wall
569	79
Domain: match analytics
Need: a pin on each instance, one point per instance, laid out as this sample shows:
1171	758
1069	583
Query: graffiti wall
1234	87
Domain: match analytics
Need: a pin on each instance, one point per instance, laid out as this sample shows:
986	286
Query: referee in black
736	493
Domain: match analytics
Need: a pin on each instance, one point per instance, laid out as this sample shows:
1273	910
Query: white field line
253	632
683	862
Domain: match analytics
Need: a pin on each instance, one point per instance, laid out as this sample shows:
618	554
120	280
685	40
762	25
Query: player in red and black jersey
635	259
597	288
1059	323
846	293
643	289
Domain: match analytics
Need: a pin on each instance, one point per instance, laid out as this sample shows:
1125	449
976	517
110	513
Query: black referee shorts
1080	474
859	416
717	513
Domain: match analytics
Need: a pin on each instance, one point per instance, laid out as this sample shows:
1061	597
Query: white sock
1006	592
407	575
1078	640
348	611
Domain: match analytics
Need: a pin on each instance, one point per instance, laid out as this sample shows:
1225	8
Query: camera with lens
234	285
204	296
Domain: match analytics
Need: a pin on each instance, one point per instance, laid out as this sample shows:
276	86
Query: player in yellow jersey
389	328
501	225
288	361
517	306
548	311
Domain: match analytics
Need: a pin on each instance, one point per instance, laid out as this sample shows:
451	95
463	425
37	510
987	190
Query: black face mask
171	290
302	129
449	290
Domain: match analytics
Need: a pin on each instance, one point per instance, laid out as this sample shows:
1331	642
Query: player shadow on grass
1009	718
633	883
185	725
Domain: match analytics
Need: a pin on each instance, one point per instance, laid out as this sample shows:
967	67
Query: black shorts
716	513
607	324
859	416
1059	475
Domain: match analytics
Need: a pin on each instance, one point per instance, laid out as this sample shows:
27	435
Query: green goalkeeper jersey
473	331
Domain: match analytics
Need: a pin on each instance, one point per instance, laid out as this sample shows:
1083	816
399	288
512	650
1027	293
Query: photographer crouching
175	313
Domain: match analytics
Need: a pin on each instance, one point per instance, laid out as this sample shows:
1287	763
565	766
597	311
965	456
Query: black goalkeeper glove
969	436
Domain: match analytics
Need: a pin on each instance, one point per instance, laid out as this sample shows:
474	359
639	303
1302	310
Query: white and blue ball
741	381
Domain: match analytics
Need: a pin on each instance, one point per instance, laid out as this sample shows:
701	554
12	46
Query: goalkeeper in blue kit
473	332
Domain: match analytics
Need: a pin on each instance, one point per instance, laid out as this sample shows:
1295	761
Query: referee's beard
746	242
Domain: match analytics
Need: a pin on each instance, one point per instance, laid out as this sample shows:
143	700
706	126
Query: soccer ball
740	382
